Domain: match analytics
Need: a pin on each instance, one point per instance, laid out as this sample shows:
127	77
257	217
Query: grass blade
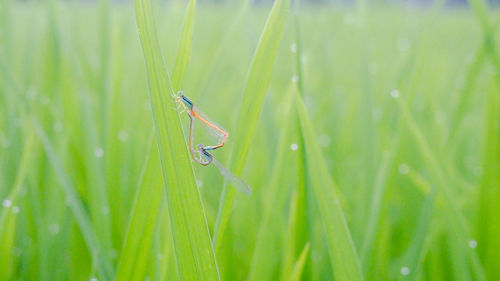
184	49
193	248
343	258
489	222
8	216
147	204
459	227
136	249
76	206
256	86
299	265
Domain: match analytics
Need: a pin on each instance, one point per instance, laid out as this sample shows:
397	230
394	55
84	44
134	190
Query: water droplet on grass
294	147
405	270
6	203
199	183
472	244
99	152
395	93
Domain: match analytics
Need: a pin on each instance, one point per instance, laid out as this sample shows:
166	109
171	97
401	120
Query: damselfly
204	157
194	112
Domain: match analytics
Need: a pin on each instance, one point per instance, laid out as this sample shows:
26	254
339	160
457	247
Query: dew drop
472	244
405	270
199	183
294	147
6	203
395	93
99	152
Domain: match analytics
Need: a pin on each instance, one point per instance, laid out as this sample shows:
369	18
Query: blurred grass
416	176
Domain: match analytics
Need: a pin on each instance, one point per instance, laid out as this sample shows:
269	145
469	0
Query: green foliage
369	136
193	248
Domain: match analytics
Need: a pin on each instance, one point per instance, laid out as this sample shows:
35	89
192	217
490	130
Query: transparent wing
205	120
239	184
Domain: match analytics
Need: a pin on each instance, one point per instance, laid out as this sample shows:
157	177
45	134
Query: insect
202	155
194	112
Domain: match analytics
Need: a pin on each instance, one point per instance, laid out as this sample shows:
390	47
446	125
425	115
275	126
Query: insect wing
234	180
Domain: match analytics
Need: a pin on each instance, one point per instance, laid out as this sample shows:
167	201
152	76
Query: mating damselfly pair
202	154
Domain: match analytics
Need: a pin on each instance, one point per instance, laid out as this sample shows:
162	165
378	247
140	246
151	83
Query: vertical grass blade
263	261
343	258
256	86
76	206
489	221
193	249
136	249
134	260
458	226
184	49
298	268
9	214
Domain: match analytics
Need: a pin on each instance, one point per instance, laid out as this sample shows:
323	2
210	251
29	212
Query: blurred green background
404	102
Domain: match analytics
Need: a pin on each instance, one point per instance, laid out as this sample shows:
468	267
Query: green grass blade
136	249
262	262
458	225
76	206
343	258
298	268
489	221
256	86
413	259
375	208
147	203
184	49
193	249
9	215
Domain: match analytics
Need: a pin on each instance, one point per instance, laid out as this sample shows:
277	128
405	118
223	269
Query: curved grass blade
193	249
343	257
256	86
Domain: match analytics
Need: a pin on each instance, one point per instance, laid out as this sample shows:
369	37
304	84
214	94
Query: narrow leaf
343	258
256	86
193	249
